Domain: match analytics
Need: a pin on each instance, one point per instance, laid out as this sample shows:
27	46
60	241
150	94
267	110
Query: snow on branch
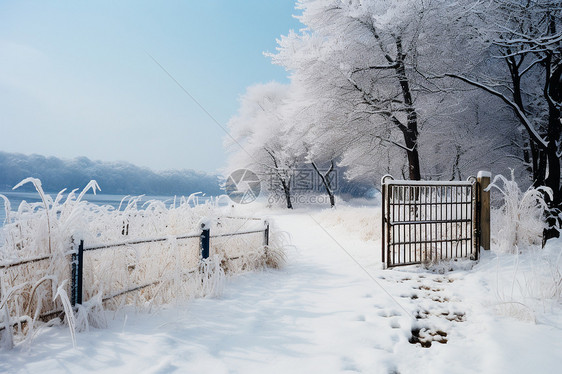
376	67
524	120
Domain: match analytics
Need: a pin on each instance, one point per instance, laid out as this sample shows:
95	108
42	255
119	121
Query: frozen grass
528	283
528	277
53	228
519	222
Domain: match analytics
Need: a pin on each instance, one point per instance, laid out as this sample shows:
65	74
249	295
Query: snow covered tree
526	36
360	97
358	59
357	66
259	141
308	133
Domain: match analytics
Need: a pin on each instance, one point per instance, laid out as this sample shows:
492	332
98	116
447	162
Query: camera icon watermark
298	199
243	186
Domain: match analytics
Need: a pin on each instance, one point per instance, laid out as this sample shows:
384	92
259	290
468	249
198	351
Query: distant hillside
113	177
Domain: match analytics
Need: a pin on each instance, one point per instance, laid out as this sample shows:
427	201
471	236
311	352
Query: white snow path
322	313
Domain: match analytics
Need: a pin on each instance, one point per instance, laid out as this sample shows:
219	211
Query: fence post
483	179
266	234
204	241
77	272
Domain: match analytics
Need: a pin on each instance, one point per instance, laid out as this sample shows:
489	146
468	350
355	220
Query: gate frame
476	219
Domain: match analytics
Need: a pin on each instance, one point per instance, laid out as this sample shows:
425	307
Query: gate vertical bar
476	197
447	205
390	232
463	224
414	210
469	223
398	218
456	217
391	229
441	223
428	254
408	206
425	222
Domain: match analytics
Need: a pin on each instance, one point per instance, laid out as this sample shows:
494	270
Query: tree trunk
553	182
411	132
326	181
552	93
513	65
287	191
413	157
286	184
553	179
539	165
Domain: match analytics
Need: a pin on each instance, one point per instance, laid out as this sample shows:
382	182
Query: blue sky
76	78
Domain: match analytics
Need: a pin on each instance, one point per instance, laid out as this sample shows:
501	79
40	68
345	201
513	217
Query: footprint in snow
348	364
389	313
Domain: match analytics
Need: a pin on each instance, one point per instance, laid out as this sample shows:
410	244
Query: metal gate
428	221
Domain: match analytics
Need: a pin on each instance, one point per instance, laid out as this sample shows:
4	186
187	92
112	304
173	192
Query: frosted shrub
530	281
163	272
520	222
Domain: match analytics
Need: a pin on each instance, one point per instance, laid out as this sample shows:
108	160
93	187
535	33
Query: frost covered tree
361	96
359	61
259	139
468	133
525	38
308	133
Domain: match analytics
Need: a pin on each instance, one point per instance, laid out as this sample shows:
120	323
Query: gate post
385	226
483	179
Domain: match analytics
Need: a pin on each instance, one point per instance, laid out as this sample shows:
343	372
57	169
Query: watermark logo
243	186
300	186
301	180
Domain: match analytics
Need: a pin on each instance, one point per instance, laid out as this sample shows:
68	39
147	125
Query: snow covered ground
332	309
